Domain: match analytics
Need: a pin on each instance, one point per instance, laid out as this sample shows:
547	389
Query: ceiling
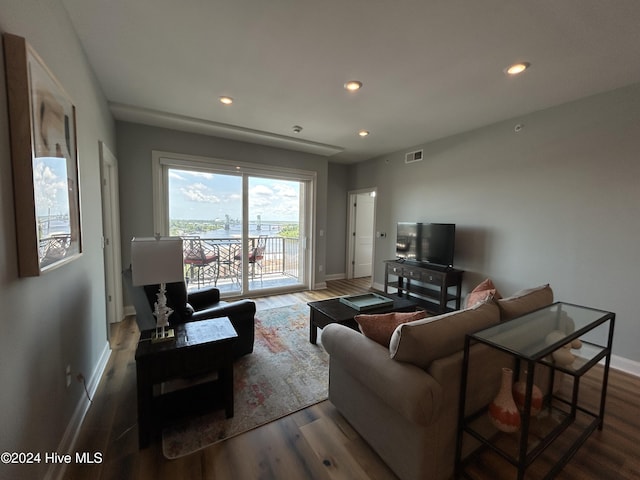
430	68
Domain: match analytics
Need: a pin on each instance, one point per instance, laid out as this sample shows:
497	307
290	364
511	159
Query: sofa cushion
525	301
484	291
422	341
379	327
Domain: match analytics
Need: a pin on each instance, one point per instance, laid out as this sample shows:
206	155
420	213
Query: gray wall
135	144
57	319
557	203
337	220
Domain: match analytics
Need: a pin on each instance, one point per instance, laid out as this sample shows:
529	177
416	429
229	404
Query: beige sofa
403	400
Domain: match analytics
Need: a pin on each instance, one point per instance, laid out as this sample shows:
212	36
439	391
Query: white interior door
111	235
363	235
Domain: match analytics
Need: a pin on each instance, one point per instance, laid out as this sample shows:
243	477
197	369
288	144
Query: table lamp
158	260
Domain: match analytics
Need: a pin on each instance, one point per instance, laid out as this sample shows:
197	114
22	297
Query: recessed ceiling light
363	133
353	85
517	68
226	100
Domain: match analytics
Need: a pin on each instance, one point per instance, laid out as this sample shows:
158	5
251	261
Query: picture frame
44	160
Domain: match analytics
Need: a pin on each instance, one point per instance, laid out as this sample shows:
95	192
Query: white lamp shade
156	260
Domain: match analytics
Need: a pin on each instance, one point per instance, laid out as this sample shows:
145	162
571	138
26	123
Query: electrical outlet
68	371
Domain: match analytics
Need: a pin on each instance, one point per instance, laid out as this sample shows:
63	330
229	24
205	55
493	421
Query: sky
212	196
50	186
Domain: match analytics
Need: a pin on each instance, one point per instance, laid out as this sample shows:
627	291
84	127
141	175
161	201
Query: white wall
557	203
57	319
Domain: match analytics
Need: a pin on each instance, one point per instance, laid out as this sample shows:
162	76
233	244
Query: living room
554	202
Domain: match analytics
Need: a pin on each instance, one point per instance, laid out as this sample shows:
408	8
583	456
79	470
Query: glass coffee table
530	340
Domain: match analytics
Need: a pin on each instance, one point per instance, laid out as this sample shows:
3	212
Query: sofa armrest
404	387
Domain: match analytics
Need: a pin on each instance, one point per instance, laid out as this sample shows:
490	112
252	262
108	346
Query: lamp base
162	335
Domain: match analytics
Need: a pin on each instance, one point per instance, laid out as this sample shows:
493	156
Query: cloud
50	188
274	204
199	192
213	196
284	190
186	176
232	198
261	191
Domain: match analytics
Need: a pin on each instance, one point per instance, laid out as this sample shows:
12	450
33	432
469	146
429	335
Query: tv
431	243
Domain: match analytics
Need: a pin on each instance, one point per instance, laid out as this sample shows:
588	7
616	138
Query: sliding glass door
245	230
276	216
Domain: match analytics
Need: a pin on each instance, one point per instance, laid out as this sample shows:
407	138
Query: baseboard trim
624	364
128	310
335	276
68	441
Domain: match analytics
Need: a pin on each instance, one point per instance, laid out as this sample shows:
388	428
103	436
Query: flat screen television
432	243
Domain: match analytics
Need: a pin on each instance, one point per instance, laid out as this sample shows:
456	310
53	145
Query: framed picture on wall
44	159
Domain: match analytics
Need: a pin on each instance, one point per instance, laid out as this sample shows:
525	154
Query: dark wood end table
333	310
198	348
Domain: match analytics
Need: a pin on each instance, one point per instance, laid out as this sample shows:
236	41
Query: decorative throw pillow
525	301
485	290
380	327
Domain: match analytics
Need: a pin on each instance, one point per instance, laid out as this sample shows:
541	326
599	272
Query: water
235	231
55	227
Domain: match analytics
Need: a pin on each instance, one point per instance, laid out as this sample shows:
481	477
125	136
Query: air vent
413	157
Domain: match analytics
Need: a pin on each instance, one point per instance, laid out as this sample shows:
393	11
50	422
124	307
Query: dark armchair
190	307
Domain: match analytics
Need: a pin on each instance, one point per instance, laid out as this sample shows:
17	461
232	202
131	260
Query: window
245	227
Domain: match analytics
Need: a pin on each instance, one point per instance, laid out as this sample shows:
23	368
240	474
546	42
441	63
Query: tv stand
427	284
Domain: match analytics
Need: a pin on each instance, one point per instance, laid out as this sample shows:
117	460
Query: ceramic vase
502	410
519	392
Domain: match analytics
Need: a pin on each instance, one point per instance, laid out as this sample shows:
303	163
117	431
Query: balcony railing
218	261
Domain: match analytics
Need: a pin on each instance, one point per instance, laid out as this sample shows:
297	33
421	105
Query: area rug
284	374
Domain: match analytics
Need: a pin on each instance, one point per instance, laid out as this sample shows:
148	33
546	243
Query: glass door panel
205	208
275	257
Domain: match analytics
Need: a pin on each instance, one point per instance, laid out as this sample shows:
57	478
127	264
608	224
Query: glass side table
530	340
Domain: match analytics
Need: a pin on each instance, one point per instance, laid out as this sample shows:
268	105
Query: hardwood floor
315	443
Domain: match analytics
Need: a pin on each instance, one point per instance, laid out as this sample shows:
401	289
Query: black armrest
204	298
241	308
242	317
